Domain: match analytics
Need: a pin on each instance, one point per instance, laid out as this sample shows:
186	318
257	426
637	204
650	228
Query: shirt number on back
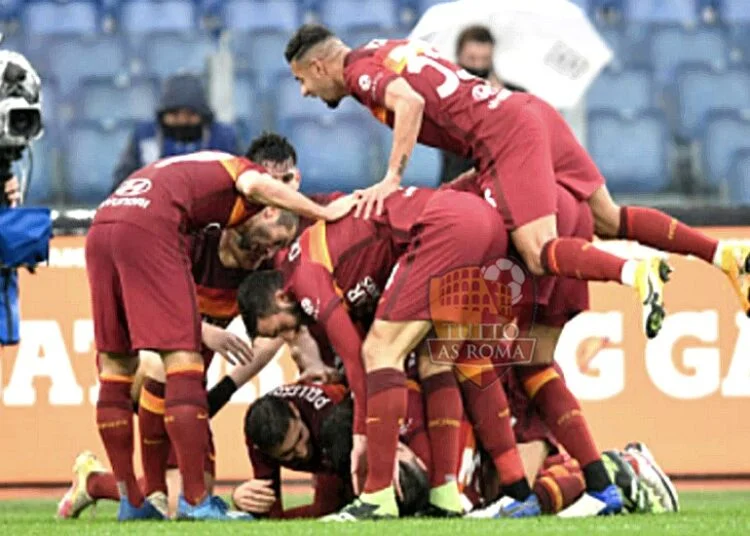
420	55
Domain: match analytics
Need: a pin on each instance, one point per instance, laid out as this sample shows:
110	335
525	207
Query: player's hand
321	374
335	210
231	347
374	196
13	192
359	462
254	496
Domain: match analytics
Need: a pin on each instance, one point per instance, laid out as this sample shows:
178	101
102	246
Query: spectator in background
184	124
475	49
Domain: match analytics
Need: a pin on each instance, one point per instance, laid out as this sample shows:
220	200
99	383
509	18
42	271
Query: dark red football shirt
182	194
337	272
314	403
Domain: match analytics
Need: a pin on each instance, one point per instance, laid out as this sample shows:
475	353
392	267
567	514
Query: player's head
316	57
266	310
276	428
258	239
336	446
277	155
474	50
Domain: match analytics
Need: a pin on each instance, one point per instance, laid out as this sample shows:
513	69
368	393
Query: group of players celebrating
350	278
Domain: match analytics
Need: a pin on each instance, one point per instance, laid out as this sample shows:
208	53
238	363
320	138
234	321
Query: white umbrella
548	47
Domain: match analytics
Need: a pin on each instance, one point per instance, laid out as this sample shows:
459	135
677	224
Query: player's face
296	445
406	455
285	323
315	81
263	237
476	58
285	172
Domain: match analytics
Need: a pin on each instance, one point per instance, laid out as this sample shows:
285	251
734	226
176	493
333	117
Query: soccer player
522	145
143	297
336	273
308	427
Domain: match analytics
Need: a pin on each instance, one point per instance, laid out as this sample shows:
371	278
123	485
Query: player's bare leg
384	351
444	411
545	253
656	229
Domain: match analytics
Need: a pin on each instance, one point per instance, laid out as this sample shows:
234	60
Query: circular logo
365	82
507	273
133	187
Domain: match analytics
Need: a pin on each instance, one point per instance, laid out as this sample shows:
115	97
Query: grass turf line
714	513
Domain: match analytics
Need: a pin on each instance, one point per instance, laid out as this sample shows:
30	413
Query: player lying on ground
344	265
308	427
522	145
143	297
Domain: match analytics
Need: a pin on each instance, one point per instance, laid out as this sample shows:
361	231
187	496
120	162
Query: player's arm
262	494
347	342
408	107
306	355
263	189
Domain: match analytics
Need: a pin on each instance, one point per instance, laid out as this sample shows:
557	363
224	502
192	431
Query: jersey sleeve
266	468
367	79
238	165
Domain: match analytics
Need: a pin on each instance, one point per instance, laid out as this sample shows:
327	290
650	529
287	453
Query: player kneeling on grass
308	428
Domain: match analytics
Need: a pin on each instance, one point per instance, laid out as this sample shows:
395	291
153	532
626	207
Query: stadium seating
47	17
61	57
282	15
247	99
630	152
626	90
147	16
736	11
739	178
344	15
727	132
168	53
92	152
263	52
107	99
702	89
673	45
333	155
662	11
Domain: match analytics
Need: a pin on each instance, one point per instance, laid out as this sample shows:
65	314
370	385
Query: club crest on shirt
365	82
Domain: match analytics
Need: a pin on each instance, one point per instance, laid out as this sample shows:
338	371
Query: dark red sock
444	410
656	229
557	488
386	410
488	410
114	418
154	438
562	413
420	445
186	418
102	486
578	258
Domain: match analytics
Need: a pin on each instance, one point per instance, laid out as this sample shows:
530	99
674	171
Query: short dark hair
267	421
415	487
288	219
477	33
336	437
306	37
256	298
271	146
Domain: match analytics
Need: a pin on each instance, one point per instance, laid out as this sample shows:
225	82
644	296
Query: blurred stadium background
668	121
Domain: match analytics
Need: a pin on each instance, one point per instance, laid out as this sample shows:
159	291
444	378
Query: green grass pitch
704	513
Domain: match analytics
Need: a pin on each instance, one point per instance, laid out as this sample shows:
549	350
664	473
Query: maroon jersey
457	105
321	199
182	194
314	403
337	272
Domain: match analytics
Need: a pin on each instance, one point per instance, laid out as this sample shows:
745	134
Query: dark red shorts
142	291
531	149
456	235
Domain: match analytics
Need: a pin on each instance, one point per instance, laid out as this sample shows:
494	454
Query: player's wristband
220	394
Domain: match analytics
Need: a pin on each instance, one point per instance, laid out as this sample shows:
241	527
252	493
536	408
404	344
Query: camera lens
24	123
